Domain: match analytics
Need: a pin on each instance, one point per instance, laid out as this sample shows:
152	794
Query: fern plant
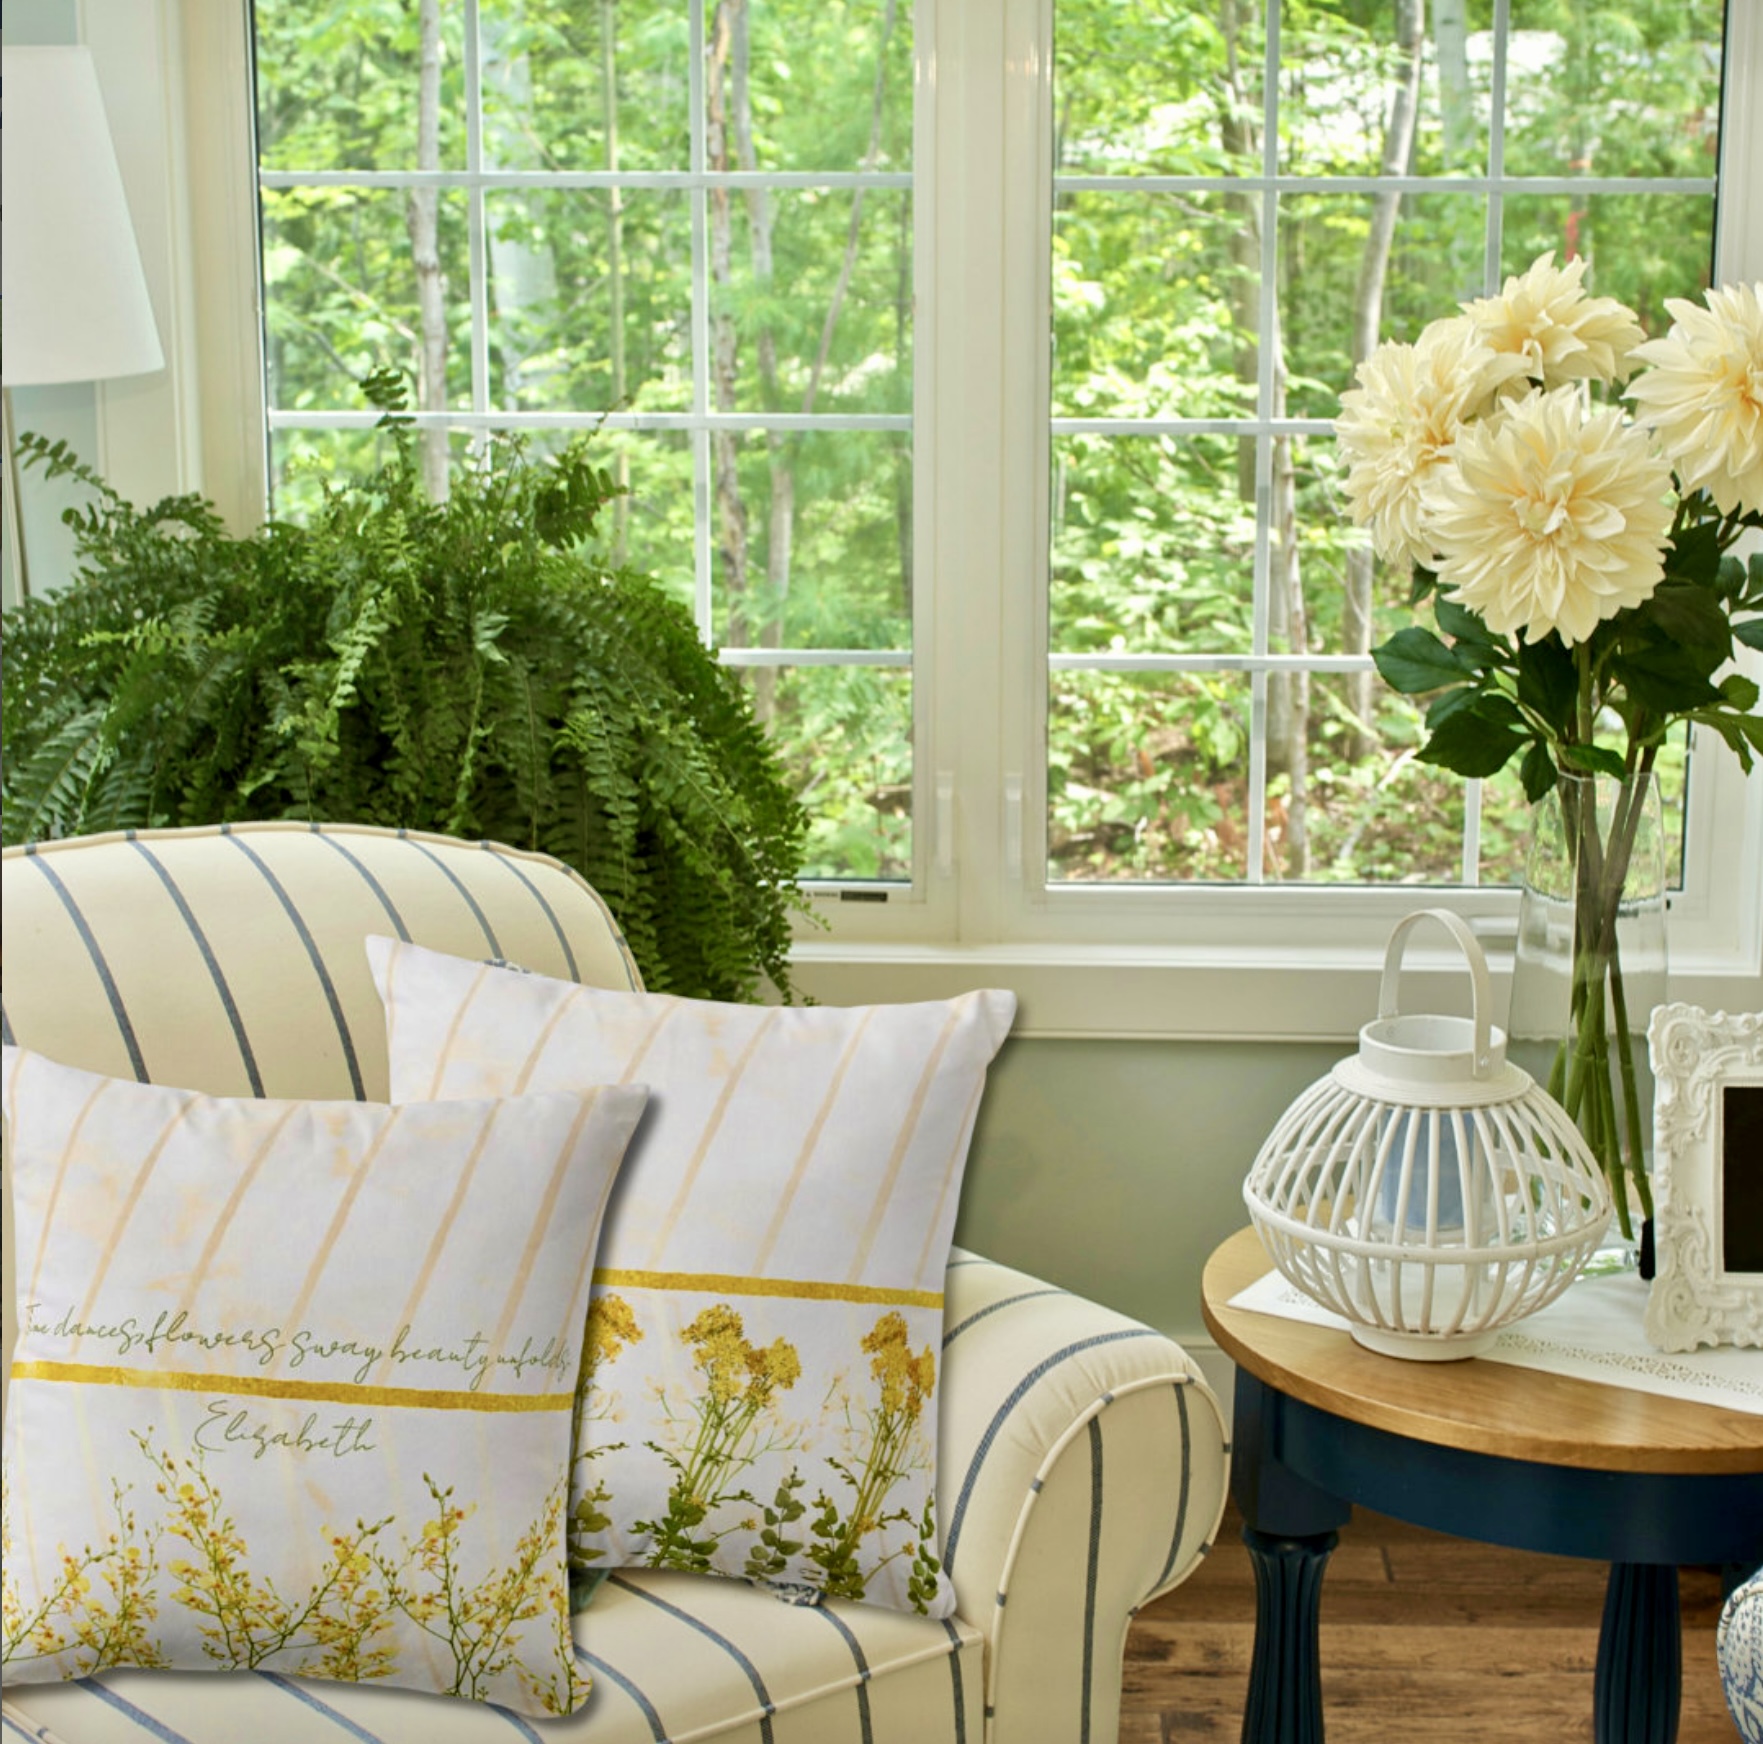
471	666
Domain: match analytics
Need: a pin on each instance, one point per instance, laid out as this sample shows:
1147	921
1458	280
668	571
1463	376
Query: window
687	228
972	366
1248	197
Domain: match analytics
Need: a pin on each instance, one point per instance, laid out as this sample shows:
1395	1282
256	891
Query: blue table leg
1636	1691
1285	1674
1290	1529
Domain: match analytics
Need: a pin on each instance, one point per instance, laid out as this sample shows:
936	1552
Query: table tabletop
1474	1404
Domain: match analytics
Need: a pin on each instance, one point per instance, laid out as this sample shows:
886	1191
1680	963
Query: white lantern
1427	1189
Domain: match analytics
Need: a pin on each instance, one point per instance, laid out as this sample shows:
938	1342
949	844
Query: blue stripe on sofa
862	1665
1181	1498
313	956
1092	1566
289	1688
516	1722
215	973
956	1331
722	1641
368	879
458	883
11	1725
657	1731
956	1678
958	1518
538	896
154	1728
117	1009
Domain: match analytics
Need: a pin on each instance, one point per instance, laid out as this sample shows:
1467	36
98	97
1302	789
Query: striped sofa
1081	1462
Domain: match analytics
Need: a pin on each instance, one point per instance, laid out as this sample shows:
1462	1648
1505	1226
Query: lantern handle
1481	996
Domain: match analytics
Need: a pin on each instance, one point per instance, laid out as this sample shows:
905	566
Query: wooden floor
1425	1640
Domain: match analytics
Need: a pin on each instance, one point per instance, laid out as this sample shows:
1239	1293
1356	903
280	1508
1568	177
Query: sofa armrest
1082	1467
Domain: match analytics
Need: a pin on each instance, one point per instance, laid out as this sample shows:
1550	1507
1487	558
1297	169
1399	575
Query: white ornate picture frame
1703	1067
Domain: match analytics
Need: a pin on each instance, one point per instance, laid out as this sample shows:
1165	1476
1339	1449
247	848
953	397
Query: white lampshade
75	302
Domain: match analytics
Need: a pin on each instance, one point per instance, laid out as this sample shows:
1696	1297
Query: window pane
827	86
1148	776
590	300
845	735
813	310
587	85
1591	91
813	539
340	294
649	528
1164	87
339	87
302	463
1153	546
1359	808
1436	254
1150	294
1642	248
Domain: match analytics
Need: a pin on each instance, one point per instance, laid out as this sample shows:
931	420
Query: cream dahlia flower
1551	517
1562	334
1704	394
1400	424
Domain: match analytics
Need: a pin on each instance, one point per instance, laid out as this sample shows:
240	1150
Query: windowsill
1193	993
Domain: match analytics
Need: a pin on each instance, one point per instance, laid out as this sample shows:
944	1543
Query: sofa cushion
760	1389
675	1658
294	1382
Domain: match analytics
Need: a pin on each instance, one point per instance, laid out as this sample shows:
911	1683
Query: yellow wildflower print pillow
294	1382
759	1392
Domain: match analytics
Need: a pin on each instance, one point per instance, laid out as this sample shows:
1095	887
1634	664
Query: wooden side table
1479	1450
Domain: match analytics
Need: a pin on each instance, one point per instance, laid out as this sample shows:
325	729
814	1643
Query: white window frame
1203	962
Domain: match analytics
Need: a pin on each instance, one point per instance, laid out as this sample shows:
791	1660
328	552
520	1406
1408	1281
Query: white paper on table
1593	1332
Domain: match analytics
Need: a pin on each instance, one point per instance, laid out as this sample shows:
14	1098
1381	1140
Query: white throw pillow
760	1387
293	1382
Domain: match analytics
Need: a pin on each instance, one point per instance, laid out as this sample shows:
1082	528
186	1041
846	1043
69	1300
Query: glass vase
1590	966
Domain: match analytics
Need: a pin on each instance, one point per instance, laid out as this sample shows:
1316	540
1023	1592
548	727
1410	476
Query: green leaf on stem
1448	702
1593	760
1750	632
1477	740
1694	552
1415	660
1669	680
1742	733
1740	691
1537	771
1547	683
1690	616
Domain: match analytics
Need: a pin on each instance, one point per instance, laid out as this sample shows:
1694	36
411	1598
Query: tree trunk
1288	693
781	521
903	454
422	220
523	279
731	510
1398	150
621	465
